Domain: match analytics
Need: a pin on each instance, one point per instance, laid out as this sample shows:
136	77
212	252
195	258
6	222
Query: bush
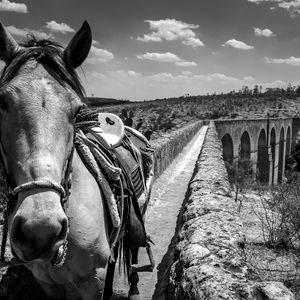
240	178
280	217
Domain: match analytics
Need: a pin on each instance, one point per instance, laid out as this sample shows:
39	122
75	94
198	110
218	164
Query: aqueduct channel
265	142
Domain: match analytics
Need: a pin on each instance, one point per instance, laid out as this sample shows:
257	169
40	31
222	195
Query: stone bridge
265	142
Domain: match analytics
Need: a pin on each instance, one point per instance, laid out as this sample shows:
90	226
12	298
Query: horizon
164	49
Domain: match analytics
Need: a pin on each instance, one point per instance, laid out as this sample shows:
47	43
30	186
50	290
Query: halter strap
44	184
63	189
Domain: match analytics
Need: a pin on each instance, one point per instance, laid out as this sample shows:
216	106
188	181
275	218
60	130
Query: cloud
263	32
23	32
100	56
161	57
187	73
194	42
170	30
249	79
5	5
133	73
292	61
217	76
167	57
260	1
186	63
291	6
237	45
56	27
275	84
124	84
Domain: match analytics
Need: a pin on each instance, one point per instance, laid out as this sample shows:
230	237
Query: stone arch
288	142
227	148
281	153
262	157
245	146
273	148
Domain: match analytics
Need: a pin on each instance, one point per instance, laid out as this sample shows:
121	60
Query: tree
255	90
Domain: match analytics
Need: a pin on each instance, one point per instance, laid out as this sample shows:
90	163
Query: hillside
163	115
98	102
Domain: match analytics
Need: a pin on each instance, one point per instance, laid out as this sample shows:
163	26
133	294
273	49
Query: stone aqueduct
266	142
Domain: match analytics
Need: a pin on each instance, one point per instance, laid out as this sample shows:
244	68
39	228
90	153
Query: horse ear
79	47
8	45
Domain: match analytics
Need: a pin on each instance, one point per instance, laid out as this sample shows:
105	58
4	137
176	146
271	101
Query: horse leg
134	277
56	292
92	288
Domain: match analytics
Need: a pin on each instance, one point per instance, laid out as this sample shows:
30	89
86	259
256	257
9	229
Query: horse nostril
64	230
18	233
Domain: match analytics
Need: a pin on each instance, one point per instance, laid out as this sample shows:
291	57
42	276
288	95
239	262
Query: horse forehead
38	86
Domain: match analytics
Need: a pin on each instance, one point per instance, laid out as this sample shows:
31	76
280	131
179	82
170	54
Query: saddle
124	159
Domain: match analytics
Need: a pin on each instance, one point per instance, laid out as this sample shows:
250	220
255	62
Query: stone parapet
168	147
208	263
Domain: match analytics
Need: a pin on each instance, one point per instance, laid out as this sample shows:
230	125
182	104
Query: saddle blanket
121	160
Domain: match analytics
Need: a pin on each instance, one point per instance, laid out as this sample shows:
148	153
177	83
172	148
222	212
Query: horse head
40	94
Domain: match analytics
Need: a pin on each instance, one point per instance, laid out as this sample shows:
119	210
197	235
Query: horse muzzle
38	234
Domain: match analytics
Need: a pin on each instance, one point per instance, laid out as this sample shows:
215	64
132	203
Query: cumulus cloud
23	32
292	61
275	84
133	73
263	32
249	79
237	44
161	57
167	57
194	42
6	5
100	56
170	30
59	27
292	6
186	63
218	76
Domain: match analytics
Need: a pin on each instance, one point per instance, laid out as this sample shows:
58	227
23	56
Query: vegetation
98	102
155	118
271	221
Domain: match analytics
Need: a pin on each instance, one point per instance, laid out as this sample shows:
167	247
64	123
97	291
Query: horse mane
49	54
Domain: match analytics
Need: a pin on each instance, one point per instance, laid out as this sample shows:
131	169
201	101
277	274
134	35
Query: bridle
63	189
12	191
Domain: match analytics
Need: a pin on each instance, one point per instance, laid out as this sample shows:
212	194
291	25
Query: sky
145	50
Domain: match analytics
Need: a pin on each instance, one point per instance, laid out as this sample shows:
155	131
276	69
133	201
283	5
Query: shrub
240	178
280	216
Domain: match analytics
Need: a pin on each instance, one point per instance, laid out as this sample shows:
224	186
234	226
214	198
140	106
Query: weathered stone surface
208	263
272	291
168	147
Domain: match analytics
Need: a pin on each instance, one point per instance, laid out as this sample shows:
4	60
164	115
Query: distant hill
98	102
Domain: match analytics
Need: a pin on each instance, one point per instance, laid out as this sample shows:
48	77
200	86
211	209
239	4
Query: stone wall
168	147
208	262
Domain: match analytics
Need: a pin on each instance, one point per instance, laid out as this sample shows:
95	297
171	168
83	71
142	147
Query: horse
40	97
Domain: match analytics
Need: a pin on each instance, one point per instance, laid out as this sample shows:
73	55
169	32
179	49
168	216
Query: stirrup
146	268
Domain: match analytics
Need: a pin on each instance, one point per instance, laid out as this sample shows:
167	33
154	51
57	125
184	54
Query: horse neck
87	207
